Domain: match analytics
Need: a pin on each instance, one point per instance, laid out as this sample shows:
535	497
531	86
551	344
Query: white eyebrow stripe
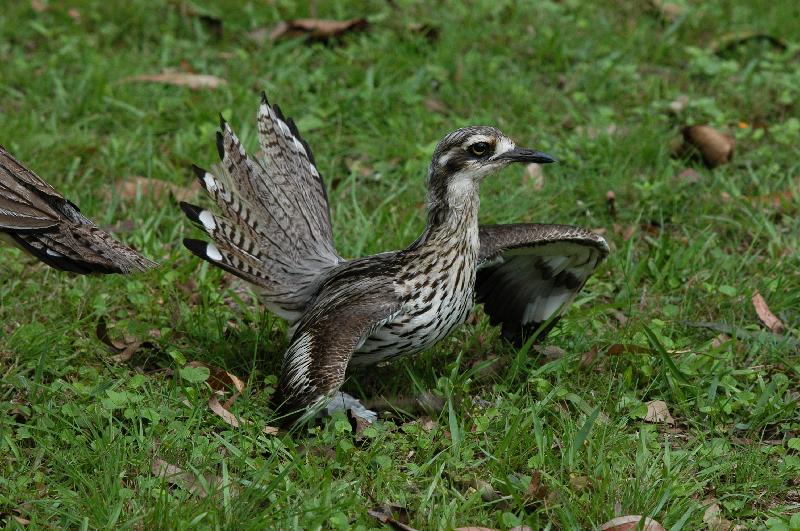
504	145
474	139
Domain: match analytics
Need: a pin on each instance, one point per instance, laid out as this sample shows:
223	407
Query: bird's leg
342	402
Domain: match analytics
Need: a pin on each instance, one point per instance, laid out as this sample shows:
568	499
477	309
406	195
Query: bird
272	228
34	216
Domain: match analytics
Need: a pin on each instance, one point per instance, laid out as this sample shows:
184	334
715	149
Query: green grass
79	434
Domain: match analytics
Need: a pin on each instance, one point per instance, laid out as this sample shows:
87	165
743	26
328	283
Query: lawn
557	437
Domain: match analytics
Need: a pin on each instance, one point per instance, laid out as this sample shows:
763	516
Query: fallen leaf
434	104
21	521
182	79
124	350
786	201
358	423
626	232
534	174
224	414
74	14
688	176
316	29
729	41
579	483
611	203
39	6
713	518
177	476
652	228
588	358
220	379
669	11
536	492
233	420
658	412
766	315
393	515
679	104
631	523
720	340
429	32
621	318
130	187
551	352
619	348
715	147
427	424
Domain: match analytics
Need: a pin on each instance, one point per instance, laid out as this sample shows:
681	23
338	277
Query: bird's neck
452	217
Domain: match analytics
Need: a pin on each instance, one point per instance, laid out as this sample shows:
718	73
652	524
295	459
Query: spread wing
529	272
338	322
53	230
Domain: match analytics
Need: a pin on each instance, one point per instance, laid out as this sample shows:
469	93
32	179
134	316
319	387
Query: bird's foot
344	402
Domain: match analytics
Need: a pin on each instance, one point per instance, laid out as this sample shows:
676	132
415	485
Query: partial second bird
51	228
273	229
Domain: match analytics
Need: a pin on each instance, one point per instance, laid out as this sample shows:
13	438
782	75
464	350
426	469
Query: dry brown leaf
786	201
766	315
715	147
74	14
679	104
130	187
588	358
551	352
427	424
231	419
124	350
220	379
224	414
619	348
316	29
39	6
611	203
631	523
534	174
658	412
358	423
626	232
729	41
579	483
669	11
431	33
713	518
181	79
177	476
392	515
688	176
536	492
434	104
720	340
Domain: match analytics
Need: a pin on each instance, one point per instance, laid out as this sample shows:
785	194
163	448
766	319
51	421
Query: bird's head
464	157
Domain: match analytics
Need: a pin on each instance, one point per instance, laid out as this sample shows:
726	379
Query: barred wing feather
528	273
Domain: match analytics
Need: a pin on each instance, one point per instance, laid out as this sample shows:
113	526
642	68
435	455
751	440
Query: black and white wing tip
529	274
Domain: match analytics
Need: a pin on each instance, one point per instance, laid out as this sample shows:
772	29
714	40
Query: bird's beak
527	156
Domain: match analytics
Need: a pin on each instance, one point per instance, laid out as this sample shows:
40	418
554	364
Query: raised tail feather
52	228
273	227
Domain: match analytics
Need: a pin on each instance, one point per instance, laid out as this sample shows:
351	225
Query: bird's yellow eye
479	149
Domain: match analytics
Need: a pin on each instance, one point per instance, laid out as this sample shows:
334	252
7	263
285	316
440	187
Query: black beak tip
543	158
